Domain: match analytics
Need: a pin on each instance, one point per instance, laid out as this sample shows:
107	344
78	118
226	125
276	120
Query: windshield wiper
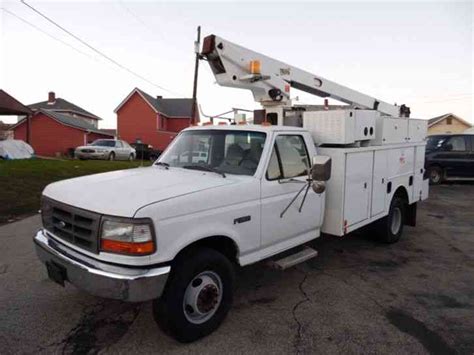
166	165
204	168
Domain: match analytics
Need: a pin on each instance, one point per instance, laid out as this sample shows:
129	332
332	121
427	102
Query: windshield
104	143
435	142
225	151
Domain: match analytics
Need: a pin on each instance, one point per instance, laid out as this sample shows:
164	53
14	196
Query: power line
139	19
150	29
46	33
96	50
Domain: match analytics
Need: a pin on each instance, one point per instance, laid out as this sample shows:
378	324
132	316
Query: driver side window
289	158
458	144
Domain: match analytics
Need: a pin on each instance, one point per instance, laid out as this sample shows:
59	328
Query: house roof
5	126
62	105
67	120
111	131
11	106
435	120
170	107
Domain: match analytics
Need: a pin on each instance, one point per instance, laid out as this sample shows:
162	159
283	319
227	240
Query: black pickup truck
450	157
145	151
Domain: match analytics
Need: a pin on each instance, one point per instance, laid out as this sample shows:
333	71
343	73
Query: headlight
127	236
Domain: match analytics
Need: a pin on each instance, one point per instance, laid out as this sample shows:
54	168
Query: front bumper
102	279
95	155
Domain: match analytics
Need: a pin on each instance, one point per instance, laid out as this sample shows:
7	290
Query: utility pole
28	129
197	45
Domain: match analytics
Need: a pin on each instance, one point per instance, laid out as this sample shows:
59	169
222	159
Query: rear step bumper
99	278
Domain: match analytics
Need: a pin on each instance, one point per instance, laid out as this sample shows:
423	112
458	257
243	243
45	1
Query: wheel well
402	193
222	244
410	210
435	165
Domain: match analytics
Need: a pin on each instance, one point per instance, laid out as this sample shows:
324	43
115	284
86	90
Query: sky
416	53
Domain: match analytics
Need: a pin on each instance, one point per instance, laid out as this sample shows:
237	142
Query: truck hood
123	192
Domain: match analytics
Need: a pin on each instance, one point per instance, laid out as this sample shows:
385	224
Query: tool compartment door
418	188
358	187
379	182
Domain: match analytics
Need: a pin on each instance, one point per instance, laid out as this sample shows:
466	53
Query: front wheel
131	157
436	175
390	228
111	156
197	297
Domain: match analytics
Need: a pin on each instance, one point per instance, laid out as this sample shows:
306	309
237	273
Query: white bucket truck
176	232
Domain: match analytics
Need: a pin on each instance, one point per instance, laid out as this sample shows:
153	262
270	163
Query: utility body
220	197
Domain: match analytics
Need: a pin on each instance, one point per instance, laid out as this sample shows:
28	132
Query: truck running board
294	259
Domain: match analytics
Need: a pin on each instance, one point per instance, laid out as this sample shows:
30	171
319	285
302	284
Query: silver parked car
108	149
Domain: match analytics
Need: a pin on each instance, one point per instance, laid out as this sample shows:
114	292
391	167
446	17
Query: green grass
22	181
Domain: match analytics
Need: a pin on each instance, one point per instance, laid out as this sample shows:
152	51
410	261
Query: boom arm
270	80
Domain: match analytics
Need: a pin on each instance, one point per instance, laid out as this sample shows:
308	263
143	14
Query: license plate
56	272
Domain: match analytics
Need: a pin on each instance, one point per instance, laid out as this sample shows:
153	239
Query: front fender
228	211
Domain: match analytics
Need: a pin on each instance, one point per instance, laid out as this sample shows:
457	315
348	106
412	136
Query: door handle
365	185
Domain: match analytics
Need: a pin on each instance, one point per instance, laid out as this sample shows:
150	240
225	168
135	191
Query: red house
153	120
57	126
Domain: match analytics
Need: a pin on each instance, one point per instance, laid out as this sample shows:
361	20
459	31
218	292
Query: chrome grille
71	224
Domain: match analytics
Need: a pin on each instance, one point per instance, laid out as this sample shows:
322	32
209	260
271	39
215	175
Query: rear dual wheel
390	228
198	295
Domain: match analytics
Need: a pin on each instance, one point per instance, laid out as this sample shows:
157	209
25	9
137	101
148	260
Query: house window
161	122
449	120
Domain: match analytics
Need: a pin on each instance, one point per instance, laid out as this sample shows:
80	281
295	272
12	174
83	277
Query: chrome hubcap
202	297
434	176
396	220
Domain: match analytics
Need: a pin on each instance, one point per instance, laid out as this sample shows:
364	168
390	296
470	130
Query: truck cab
133	235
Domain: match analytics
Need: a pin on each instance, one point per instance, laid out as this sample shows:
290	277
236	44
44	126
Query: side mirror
321	169
320	172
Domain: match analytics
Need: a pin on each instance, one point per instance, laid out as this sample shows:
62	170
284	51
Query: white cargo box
399	130
417	130
363	181
391	130
340	126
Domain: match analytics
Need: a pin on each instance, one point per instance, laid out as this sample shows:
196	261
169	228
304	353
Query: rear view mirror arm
294	199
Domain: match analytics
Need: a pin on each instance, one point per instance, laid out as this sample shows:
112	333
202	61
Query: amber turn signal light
128	248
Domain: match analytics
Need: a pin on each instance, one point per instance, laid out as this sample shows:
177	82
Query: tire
131	157
435	174
195	275
111	156
390	228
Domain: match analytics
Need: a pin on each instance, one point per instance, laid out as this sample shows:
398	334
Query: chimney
159	97
51	97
